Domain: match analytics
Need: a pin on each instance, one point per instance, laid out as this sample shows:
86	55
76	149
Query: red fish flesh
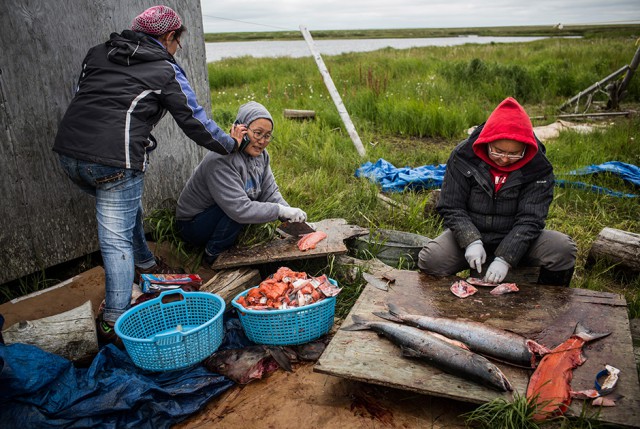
311	240
462	289
550	384
503	288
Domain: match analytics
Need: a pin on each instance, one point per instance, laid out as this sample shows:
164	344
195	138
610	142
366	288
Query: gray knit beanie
249	112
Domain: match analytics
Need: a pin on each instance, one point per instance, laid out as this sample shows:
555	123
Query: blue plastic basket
292	326
175	330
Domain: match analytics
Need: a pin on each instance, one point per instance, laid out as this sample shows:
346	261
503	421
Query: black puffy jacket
126	86
507	221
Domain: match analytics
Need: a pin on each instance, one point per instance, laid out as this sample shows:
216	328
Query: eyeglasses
179	45
259	135
505	155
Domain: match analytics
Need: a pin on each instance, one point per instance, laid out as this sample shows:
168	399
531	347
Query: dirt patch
304	398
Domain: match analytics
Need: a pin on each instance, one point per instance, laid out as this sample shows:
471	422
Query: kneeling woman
227	192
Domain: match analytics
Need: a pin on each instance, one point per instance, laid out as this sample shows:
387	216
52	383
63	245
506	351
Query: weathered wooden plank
229	283
57	299
49	220
71	334
286	249
544	313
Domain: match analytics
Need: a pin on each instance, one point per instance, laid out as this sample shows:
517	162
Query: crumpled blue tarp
627	172
43	390
394	179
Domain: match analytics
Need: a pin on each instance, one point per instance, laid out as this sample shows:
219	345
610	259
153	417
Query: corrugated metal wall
45	219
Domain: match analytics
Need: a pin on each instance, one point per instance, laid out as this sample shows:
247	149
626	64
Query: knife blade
375	282
296	228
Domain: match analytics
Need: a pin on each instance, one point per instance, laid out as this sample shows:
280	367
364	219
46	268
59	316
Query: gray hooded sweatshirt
241	185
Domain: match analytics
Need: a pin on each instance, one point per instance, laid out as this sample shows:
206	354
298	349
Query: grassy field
411	107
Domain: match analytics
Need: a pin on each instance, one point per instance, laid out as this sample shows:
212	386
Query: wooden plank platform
546	314
286	249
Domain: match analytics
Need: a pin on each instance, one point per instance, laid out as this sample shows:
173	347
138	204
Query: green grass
412	106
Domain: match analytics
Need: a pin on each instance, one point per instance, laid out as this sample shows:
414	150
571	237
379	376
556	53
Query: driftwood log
71	334
229	283
299	114
617	246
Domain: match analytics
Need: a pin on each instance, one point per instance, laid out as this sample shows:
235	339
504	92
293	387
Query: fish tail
360	324
395	310
280	357
587	335
387	316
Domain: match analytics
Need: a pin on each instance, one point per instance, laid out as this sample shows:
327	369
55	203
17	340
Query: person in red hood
495	198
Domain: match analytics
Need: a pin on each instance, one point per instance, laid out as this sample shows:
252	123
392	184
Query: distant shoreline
586	31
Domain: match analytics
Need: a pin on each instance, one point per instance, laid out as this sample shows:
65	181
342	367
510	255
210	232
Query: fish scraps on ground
311	240
288	289
550	384
248	363
424	345
487	340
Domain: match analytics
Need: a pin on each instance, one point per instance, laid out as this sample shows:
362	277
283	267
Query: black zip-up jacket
508	220
126	86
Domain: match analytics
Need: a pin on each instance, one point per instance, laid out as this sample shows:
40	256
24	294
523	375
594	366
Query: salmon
416	343
480	338
311	240
503	288
462	289
550	384
248	363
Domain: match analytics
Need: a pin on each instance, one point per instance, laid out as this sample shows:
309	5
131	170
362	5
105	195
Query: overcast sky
221	16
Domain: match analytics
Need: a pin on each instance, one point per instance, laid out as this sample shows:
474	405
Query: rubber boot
555	278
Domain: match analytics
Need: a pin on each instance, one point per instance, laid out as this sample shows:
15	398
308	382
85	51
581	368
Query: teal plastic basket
288	327
175	330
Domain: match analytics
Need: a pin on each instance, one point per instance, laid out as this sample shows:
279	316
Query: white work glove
291	214
475	255
497	271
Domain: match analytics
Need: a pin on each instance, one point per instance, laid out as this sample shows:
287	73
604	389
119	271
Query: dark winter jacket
508	220
126	86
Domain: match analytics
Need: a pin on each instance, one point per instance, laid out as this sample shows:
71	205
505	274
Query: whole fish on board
484	339
248	363
550	384
416	343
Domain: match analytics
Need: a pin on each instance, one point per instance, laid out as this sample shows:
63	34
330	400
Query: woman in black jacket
126	86
495	198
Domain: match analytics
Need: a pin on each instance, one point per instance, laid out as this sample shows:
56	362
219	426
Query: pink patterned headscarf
157	20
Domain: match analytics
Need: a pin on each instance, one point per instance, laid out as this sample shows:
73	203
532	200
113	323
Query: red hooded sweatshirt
507	121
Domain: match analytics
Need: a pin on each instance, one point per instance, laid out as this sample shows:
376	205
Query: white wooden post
337	100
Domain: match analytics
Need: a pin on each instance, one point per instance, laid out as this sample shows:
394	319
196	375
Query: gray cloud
260	15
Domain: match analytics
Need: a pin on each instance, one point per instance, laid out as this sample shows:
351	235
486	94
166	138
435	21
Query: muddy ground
304	398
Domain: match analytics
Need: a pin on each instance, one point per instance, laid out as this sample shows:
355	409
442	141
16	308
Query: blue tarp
394	179
43	390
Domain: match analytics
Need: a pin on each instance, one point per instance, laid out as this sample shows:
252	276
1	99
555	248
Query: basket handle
168	339
167	299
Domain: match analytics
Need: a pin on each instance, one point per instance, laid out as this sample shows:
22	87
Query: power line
247	22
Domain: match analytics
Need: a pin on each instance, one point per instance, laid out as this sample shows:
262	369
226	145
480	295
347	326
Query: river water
299	48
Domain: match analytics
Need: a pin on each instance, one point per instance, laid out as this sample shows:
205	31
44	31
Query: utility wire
247	22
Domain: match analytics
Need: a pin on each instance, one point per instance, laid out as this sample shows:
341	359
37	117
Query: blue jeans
118	194
212	229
